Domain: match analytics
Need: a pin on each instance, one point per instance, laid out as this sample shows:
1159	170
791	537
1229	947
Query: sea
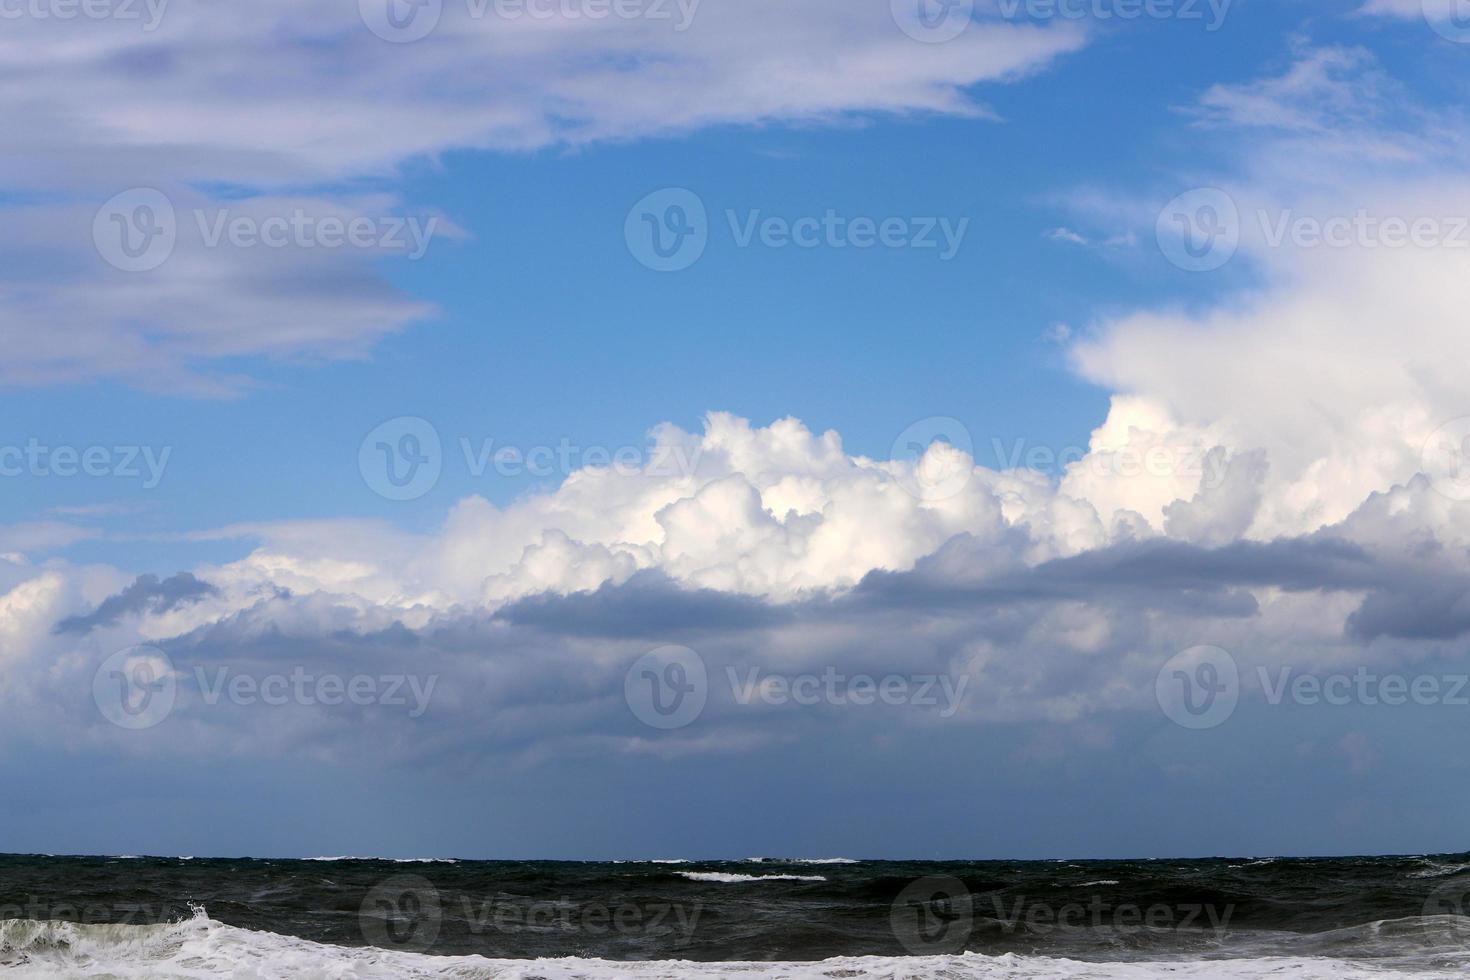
833	918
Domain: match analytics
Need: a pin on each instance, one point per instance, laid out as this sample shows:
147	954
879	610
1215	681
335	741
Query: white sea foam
345	857
728	878
1440	870
200	949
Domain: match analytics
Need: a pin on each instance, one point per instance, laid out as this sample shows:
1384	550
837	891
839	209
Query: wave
386	860
200	948
1440	870
728	878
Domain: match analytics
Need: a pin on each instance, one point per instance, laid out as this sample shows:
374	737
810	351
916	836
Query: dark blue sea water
343	917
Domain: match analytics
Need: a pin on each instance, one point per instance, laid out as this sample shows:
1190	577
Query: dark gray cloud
648	605
1154	574
147	594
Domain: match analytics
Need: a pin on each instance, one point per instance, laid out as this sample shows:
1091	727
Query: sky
575	429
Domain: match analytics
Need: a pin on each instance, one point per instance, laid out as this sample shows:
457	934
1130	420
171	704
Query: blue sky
549	329
1317	378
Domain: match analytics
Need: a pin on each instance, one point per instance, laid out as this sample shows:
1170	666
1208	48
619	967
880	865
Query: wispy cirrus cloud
172	97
